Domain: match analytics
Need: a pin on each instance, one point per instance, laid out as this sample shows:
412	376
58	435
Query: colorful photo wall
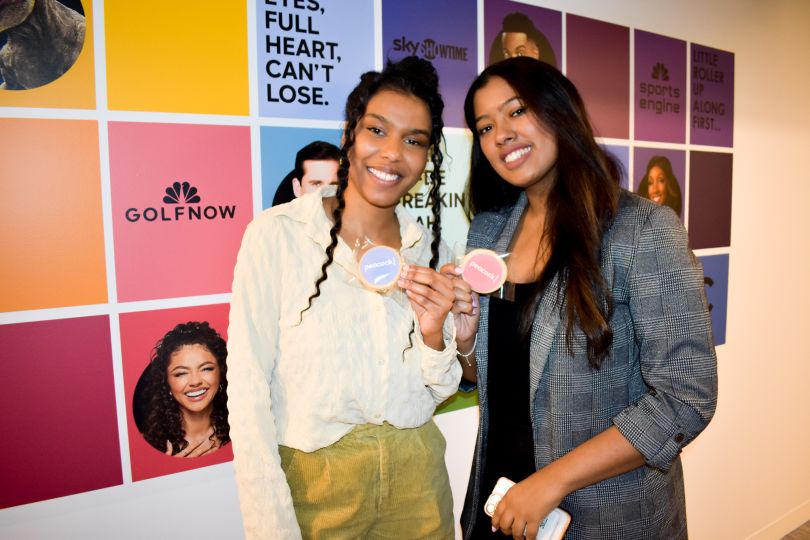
130	171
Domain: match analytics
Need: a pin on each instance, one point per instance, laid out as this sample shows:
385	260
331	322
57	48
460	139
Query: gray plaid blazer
658	384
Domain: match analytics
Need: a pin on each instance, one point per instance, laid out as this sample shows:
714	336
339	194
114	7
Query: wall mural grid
121	223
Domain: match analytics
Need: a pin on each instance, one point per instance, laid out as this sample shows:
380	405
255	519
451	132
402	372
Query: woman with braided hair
334	385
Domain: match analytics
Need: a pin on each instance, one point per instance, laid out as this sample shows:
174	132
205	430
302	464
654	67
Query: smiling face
514	141
317	173
657	185
519	44
390	149
193	376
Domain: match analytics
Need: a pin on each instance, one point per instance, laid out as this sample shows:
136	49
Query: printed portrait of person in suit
316	165
40	40
180	401
520	37
660	185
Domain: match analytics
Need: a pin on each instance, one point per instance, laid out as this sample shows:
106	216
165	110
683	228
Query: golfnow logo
182	198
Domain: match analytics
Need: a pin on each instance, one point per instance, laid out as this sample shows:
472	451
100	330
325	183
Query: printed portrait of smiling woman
180	401
660	185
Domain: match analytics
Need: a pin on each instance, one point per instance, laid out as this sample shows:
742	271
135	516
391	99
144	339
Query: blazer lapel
505	238
546	322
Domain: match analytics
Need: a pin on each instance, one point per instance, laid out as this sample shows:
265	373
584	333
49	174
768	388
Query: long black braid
337	217
411	76
434	195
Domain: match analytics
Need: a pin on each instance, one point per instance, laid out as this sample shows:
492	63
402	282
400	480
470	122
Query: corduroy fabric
377	482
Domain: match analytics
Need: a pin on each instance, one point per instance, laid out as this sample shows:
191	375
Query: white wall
748	475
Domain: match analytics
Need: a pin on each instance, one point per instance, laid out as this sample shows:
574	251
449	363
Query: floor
802	533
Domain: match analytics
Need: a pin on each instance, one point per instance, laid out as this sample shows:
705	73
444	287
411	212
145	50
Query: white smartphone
552	528
501	487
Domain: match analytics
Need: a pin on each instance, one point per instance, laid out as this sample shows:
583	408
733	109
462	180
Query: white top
305	381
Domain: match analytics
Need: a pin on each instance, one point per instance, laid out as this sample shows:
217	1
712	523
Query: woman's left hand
527	503
525	506
431	295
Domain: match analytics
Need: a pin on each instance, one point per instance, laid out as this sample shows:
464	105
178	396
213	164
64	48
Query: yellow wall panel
177	56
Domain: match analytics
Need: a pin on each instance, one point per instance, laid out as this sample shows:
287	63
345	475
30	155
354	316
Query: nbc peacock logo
182	202
181	193
660	72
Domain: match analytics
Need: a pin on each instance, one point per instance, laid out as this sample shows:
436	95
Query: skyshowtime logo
430	49
180	199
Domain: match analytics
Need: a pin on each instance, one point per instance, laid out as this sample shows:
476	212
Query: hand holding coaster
380	267
484	270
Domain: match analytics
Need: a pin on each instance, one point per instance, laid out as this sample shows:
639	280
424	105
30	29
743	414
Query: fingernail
494	529
458	271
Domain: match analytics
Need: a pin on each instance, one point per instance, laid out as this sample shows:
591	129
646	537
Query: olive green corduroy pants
375	482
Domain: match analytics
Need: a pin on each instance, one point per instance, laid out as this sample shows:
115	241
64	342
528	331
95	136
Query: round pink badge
484	270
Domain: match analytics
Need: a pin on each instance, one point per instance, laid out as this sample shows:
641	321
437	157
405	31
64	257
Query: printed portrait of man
520	37
316	165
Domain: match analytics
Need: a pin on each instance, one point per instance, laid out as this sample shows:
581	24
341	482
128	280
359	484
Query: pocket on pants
433	438
287	457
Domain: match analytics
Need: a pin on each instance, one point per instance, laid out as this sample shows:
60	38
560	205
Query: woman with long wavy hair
595	364
334	384
660	185
180	401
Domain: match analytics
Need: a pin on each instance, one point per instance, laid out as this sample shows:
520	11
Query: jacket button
679	437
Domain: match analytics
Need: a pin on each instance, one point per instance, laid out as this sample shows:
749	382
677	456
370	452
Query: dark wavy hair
673	199
410	76
157	414
581	204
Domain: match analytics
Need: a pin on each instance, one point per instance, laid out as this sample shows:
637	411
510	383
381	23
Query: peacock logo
179	193
660	72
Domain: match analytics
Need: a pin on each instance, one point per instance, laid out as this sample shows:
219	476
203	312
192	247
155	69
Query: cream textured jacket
305	381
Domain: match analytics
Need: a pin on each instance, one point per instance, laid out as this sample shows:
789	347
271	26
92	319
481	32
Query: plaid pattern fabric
658	384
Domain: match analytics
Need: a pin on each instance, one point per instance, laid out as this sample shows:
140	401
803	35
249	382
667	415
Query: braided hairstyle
411	76
157	414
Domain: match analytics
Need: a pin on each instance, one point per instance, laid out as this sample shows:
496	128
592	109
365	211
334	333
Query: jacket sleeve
674	339
265	500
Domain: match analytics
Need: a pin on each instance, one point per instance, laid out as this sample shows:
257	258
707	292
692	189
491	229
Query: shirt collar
309	213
